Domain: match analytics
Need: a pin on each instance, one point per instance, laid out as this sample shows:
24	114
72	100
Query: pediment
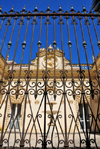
50	58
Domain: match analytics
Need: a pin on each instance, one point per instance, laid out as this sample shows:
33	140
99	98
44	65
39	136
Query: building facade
28	109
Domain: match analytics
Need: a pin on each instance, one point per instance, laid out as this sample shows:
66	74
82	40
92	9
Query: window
15	109
82	116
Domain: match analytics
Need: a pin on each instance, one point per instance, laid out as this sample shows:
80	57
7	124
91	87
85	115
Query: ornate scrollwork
40	142
49	142
59	116
61	142
17	141
83	141
5	141
27	141
92	141
70	142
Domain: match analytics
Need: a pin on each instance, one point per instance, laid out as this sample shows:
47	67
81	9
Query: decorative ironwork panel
53	100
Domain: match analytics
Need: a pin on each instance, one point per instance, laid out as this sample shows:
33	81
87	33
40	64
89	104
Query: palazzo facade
33	112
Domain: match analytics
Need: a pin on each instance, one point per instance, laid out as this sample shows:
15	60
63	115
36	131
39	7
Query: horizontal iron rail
50	14
65	64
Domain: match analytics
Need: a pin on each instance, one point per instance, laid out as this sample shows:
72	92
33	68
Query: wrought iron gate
49	102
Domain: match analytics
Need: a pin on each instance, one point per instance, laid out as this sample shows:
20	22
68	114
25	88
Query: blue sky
54	5
42	4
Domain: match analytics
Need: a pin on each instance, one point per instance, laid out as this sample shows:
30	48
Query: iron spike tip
35	95
12	8
35	10
54	97
17	94
72	8
48	9
84	9
23	8
1	10
74	96
60	8
36	7
16	97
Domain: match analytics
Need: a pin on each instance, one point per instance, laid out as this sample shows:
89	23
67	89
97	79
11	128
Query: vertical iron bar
46	45
54	52
70	44
54	45
81	77
65	117
45	93
24	44
39	44
95	28
92	48
87	23
98	42
8	92
14	56
4	37
77	44
87	139
8	23
64	93
9	45
1	137
26	92
17	40
16	46
45	81
2	23
84	45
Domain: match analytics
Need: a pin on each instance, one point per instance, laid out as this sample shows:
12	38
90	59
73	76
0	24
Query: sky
42	4
54	6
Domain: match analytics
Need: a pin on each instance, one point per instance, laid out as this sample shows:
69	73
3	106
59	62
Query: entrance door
16	108
82	116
